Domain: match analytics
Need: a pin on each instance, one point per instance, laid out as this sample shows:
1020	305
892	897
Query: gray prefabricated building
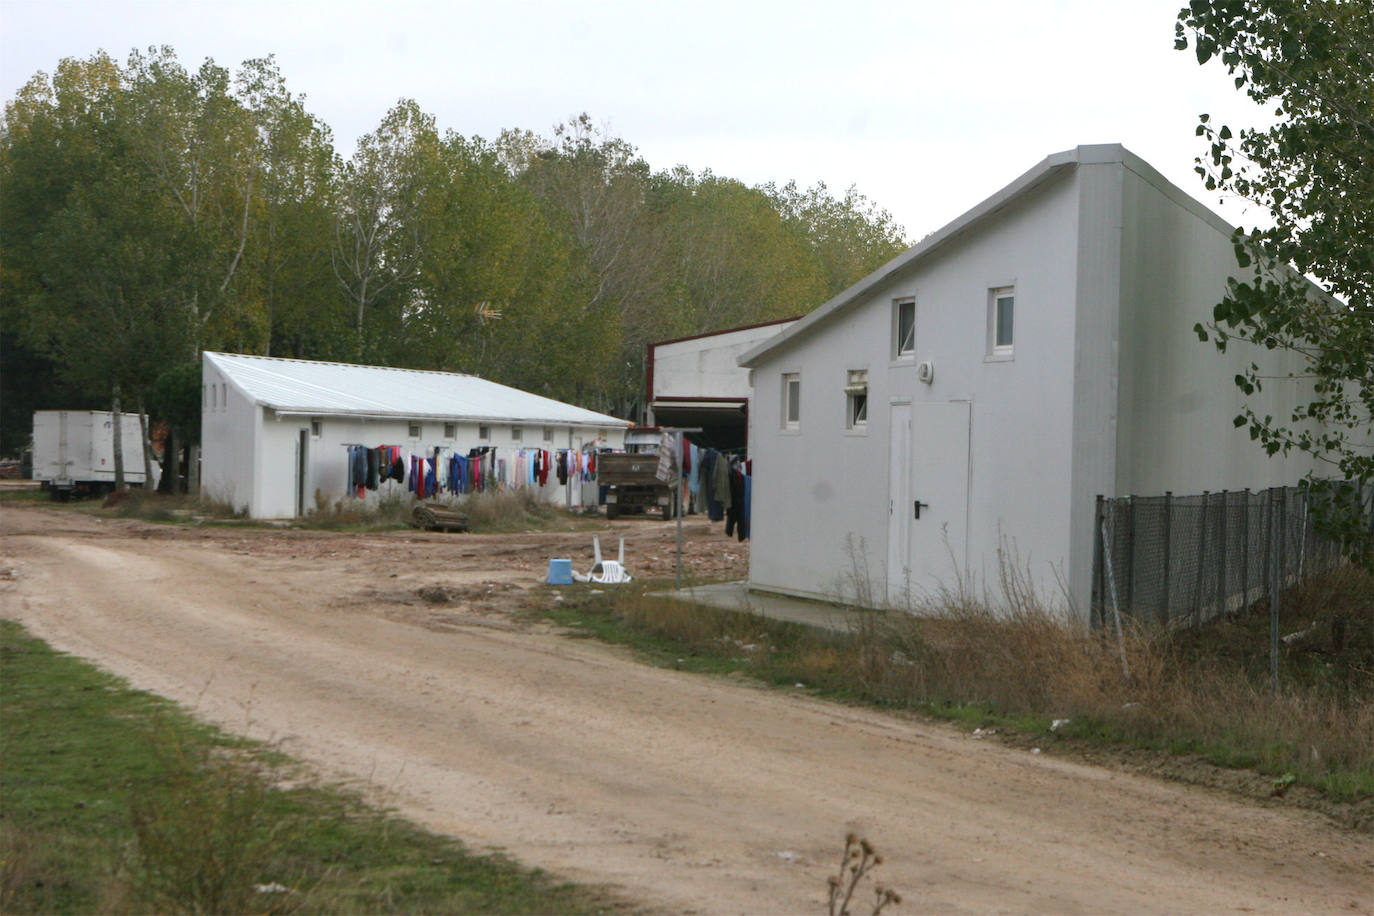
1034	353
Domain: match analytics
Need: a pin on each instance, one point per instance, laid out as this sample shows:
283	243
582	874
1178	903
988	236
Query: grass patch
1202	693
115	801
25	495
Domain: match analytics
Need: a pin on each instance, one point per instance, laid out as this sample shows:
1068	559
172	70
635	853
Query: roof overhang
282	412
1048	168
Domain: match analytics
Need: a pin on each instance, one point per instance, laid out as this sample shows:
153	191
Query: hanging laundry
667	453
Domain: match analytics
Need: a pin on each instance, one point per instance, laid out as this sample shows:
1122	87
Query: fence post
1245	554
1224	558
1275	548
1098	602
1168	544
1201	559
1130	554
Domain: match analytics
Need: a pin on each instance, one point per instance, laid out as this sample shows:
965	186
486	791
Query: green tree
140	206
592	187
289	284
201	148
91	257
1312	172
849	237
497	290
378	229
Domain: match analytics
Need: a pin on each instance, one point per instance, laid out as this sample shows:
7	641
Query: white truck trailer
73	451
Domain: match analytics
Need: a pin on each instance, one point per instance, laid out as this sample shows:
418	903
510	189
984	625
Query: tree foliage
152	212
1312	173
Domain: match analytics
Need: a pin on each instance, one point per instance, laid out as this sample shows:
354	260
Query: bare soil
397	663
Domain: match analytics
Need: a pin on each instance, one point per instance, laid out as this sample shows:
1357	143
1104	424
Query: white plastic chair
608	572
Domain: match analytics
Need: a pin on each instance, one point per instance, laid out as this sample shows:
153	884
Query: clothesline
441	469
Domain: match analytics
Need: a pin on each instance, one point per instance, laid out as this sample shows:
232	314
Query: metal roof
298	386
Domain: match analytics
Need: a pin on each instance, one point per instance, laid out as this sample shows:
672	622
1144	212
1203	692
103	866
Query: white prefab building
980	390
276	432
697	382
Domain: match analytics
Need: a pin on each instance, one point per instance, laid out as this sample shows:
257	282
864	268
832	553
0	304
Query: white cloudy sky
926	106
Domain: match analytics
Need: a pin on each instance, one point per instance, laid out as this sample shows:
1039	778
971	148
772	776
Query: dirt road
687	793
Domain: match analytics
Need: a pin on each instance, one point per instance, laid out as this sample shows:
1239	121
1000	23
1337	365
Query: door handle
919	506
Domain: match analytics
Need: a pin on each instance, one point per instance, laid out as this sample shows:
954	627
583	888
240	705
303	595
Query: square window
1001	322
856	399
484	432
316	426
904	330
450	430
414	430
548	433
791	400
517	434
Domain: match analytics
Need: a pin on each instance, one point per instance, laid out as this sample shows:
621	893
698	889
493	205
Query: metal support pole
680	432
1116	605
1098	603
677	507
1130	555
1201	560
1245	553
1275	565
1168	545
1223	557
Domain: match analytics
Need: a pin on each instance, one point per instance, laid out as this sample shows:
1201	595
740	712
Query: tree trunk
173	465
117	431
193	469
147	448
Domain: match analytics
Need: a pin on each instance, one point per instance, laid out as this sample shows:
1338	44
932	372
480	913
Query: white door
937	510
898	504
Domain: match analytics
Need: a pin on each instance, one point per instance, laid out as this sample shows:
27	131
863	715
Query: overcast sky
927	107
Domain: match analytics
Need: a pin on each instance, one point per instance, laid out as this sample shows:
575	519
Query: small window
548	433
484	432
856	399
517	434
316	425
904	327
791	400
450	430
1001	322
415	430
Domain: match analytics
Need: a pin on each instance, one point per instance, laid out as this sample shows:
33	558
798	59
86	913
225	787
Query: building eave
1046	169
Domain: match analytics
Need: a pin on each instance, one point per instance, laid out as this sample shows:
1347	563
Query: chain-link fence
1171	560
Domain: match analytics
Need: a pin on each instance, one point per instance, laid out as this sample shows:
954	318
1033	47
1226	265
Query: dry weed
856	862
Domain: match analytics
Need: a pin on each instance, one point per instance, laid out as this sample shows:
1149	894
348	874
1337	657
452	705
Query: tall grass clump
208	837
389	510
1012	658
517	509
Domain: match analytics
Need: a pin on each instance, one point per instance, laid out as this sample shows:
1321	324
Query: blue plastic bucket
560	572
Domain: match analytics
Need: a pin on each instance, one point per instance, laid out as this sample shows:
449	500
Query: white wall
250	458
327	455
229	431
818	486
1177	394
89	446
708	367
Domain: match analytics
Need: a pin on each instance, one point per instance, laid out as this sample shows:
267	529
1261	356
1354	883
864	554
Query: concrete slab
736	596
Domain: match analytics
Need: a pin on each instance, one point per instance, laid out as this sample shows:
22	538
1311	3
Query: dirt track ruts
687	793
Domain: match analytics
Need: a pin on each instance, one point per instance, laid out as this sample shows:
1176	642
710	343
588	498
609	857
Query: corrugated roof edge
224	361
1028	180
